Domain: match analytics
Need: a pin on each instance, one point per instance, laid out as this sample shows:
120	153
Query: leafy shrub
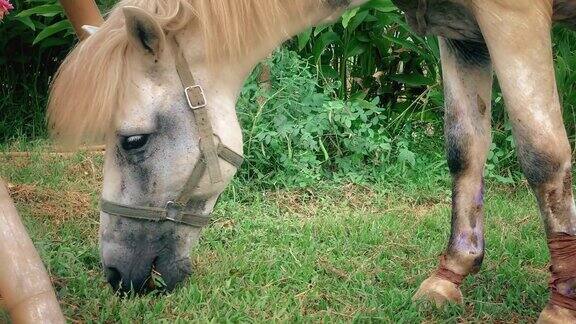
363	92
300	133
372	50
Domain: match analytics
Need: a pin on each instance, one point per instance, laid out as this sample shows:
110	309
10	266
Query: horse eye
131	143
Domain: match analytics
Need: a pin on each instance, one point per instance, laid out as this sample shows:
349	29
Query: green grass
334	252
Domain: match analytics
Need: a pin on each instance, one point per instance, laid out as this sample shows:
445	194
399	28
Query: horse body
565	12
455	19
512	39
152	137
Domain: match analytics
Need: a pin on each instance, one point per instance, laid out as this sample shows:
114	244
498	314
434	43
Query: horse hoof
439	291
553	314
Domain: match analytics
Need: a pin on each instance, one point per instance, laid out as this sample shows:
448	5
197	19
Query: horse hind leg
468	76
522	58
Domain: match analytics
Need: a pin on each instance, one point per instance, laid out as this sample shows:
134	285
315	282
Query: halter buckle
173	211
195	97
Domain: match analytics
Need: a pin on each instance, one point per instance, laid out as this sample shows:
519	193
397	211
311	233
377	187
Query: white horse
160	79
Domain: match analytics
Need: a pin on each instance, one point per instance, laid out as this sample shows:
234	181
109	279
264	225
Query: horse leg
518	36
467	74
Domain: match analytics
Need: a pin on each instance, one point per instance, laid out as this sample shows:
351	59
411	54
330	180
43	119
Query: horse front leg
518	36
467	76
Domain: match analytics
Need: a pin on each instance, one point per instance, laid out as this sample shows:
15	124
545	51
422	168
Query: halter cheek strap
210	155
197	103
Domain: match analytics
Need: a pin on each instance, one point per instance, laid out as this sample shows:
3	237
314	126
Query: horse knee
548	169
544	164
466	145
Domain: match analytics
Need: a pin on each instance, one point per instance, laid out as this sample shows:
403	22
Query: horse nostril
155	277
113	276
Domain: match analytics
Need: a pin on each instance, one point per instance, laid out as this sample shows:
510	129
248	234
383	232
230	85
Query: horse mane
96	77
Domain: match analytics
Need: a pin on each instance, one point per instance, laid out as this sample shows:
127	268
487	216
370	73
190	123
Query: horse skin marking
556	205
457	140
146	37
457	145
539	167
470	52
481	105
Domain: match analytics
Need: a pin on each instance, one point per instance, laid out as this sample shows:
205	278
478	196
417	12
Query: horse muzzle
142	256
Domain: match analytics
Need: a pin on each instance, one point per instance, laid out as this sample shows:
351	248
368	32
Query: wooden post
24	283
80	13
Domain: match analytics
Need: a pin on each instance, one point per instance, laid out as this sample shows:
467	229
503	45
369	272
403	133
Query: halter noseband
210	155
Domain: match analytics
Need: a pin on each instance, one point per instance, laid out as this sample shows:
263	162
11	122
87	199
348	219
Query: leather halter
210	155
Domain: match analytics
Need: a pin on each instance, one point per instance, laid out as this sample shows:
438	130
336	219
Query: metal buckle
200	93
173	211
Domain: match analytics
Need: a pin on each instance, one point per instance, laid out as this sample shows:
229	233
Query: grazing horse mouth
154	281
212	153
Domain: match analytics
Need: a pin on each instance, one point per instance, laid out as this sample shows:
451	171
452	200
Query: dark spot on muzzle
161	274
141	257
113	276
131	281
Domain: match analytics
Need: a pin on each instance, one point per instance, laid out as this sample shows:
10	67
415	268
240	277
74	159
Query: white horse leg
518	36
467	74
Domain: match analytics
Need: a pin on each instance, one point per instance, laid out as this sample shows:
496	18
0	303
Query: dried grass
57	206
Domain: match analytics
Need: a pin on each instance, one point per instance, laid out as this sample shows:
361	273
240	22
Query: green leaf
51	30
323	42
353	48
415	80
382	5
357	20
348	15
41	10
407	156
304	38
405	44
27	21
328	71
318	30
53	41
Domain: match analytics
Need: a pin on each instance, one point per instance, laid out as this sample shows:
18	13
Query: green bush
373	51
299	132
362	93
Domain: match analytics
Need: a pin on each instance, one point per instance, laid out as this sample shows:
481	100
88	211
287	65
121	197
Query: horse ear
144	31
91	30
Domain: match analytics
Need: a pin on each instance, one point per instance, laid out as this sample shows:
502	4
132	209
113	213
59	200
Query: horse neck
232	73
282	32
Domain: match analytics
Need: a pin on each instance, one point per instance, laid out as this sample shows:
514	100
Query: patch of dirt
88	170
358	196
58	206
305	203
325	265
201	262
16	162
301	202
421	211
